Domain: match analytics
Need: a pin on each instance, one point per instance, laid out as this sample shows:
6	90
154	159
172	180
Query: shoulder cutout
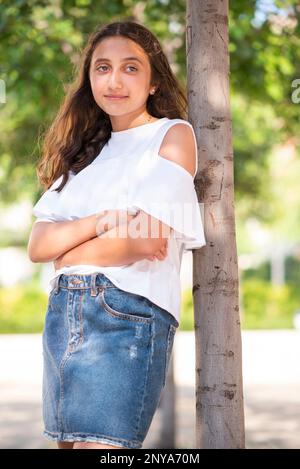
179	146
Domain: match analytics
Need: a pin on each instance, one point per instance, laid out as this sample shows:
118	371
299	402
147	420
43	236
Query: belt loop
56	284
93	285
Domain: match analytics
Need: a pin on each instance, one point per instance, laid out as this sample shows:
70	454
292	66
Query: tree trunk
219	386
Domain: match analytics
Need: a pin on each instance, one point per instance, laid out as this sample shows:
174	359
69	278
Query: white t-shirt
130	173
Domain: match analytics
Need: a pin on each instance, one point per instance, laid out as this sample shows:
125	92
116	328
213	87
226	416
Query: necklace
149	118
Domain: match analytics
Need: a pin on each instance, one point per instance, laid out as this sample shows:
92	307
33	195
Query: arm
100	251
116	247
48	241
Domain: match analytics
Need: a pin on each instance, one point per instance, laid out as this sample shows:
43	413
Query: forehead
117	48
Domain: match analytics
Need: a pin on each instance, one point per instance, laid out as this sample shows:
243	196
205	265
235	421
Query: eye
101	66
133	69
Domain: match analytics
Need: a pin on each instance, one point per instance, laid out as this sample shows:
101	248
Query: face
120	75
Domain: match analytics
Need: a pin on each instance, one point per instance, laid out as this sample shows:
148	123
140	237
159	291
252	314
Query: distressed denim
106	354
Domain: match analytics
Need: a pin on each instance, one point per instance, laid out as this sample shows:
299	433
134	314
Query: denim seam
61	369
95	437
123	316
81	338
152	338
65	287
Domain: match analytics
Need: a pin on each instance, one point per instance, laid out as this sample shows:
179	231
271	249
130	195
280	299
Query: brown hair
81	128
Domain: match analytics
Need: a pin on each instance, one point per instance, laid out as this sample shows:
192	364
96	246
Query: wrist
100	225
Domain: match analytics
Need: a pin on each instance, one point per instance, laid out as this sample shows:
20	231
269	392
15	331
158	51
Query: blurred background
40	44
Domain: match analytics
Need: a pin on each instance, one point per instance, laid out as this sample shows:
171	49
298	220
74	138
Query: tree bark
219	385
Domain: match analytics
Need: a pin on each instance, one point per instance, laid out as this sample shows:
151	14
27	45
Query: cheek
96	82
139	86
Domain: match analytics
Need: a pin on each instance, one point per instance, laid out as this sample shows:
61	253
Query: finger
159	256
164	254
163	251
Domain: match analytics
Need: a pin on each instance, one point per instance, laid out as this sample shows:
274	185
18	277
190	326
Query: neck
127	122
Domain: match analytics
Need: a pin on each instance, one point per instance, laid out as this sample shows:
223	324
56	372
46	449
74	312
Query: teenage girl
119	154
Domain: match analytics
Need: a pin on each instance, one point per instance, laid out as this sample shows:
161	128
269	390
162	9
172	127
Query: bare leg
65	444
91	445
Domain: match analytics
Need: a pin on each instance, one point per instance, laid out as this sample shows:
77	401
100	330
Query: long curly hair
81	128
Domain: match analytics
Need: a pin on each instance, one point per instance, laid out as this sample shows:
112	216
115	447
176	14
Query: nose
114	81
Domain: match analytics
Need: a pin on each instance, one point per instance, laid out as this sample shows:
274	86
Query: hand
109	219
161	254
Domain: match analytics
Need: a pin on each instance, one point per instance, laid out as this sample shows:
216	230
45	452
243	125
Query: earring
152	91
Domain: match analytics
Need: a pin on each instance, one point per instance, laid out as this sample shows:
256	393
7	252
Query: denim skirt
106	354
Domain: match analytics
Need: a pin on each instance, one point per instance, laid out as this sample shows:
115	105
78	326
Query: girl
119	209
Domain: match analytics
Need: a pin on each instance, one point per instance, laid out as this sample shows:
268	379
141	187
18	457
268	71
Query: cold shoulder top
130	173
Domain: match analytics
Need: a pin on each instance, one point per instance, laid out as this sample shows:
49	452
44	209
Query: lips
115	97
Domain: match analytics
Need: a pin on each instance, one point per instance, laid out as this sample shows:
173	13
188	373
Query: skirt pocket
125	305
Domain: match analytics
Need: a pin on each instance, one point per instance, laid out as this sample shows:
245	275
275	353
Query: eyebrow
102	59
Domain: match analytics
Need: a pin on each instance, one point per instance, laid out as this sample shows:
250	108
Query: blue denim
106	354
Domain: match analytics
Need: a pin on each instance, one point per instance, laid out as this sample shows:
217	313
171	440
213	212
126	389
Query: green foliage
40	46
41	43
253	140
265	56
22	309
267	306
292	266
187	311
262	272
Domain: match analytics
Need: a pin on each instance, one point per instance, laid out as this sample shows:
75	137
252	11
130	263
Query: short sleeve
49	207
165	190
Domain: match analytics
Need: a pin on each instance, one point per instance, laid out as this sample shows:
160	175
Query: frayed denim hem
55	436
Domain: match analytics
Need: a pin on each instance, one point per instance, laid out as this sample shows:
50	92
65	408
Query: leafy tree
41	43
